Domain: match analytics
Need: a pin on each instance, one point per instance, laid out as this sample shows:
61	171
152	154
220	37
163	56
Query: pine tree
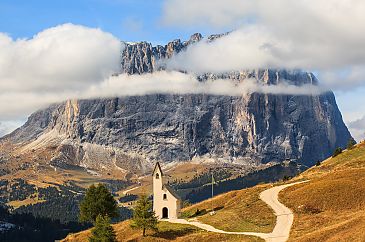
103	231
143	215
98	201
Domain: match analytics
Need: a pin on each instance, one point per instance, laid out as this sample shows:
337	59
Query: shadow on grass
172	234
204	211
218	208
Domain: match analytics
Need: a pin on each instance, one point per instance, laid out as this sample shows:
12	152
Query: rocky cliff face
254	127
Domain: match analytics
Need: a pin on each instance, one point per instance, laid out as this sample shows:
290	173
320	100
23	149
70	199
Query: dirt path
131	189
284	217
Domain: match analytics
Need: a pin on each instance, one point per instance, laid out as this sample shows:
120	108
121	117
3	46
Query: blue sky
131	20
136	20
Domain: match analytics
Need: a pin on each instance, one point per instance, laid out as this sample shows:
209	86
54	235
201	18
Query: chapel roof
172	191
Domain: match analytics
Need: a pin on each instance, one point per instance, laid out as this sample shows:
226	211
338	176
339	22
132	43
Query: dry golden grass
187	170
331	207
167	232
39	172
237	211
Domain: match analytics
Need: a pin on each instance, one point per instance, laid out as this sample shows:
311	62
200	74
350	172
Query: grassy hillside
331	207
240	210
235	211
167	232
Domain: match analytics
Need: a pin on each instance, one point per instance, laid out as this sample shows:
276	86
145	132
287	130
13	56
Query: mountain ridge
140	130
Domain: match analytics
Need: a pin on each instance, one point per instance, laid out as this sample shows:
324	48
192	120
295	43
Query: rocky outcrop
142	57
249	128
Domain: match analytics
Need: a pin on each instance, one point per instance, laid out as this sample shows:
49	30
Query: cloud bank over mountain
317	35
73	61
173	82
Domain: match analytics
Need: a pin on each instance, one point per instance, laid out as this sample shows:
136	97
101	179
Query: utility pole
213	182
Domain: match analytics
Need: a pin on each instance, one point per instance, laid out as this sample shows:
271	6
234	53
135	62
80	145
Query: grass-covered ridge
331	207
236	211
167	232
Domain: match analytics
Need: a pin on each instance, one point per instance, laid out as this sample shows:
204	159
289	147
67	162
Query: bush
286	178
318	163
337	152
351	144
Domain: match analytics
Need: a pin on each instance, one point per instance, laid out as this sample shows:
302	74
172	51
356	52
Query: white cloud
9	126
54	62
51	66
180	83
319	35
216	13
65	57
357	129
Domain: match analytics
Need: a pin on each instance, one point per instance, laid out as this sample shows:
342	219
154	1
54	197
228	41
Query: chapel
166	203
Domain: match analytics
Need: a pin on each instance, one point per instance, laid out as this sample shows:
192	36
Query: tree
337	152
143	215
103	231
98	201
351	143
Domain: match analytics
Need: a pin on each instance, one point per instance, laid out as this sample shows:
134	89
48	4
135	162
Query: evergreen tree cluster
29	228
98	206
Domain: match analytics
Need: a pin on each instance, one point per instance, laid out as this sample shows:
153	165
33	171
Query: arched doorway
165	213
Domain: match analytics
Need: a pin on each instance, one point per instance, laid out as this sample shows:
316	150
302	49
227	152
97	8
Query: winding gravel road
284	217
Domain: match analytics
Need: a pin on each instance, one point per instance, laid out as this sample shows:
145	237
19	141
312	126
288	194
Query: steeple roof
157	166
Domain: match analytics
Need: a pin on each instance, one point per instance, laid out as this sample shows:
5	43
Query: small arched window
157	176
165	197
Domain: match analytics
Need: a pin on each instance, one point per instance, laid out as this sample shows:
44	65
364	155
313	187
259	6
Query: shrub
351	144
337	152
286	178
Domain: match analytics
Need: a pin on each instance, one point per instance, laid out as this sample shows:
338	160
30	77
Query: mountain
62	149
134	132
